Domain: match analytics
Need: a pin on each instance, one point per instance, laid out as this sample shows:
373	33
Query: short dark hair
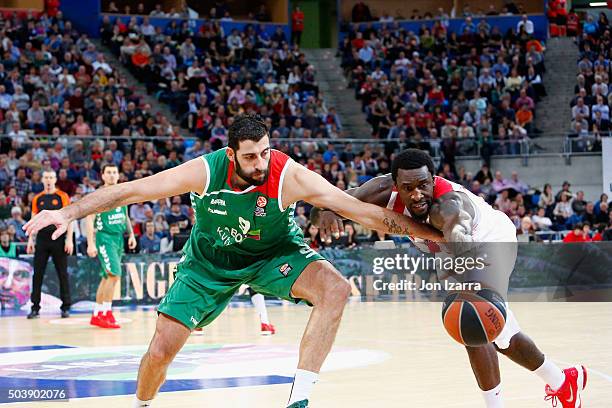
109	165
246	127
410	159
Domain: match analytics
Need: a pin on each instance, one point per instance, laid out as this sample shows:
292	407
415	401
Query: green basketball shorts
110	252
203	288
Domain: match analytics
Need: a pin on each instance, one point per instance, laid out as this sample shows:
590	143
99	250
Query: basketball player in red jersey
466	220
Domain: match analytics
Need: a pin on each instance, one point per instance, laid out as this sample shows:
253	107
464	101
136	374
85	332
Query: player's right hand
92	251
328	222
30	247
44	219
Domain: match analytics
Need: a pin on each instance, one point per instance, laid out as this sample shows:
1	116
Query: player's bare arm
91	236
375	191
453	215
189	176
303	184
130	230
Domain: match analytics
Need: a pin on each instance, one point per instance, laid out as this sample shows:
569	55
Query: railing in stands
464	148
584	143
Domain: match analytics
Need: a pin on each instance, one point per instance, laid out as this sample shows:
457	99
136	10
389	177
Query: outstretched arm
454	218
375	191
303	184
189	176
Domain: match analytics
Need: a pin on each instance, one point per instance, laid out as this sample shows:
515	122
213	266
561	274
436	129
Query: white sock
142	404
97	308
107	307
493	398
260	305
551	374
302	385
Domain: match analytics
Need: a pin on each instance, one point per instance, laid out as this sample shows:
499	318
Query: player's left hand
132	242
68	247
460	240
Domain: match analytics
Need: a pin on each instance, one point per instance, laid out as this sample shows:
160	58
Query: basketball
474	318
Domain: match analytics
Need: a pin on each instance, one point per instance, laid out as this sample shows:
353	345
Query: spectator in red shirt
65	184
578	234
422	119
599	234
297	25
358	42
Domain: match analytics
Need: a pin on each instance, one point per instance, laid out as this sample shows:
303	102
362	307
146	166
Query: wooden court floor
386	355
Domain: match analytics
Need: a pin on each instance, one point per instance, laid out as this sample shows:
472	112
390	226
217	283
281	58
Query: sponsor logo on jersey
260	212
262	201
245	225
284	269
217	201
256	235
260	209
215	211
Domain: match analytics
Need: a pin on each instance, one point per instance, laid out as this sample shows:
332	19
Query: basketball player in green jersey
105	240
245	233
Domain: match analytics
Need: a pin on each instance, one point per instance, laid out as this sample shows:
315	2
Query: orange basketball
474	318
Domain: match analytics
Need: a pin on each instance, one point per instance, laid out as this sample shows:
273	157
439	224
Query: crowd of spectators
361	13
220	11
454	93
60	100
592	98
207	76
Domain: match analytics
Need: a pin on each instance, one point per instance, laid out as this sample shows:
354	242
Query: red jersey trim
441	187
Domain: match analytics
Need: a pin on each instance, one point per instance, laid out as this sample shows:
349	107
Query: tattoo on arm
394	228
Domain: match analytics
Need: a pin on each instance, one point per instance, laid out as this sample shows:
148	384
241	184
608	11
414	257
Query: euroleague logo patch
260	209
284	269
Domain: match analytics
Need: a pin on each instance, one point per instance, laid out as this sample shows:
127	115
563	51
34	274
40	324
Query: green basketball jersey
112	222
246	223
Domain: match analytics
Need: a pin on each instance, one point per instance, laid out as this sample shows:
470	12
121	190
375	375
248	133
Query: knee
159	356
336	291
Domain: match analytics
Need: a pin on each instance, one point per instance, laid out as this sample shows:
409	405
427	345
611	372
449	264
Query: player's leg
185	307
500	259
326	289
298	272
170	336
114	271
41	257
60	260
565	385
485	366
96	314
109	292
259	302
109	266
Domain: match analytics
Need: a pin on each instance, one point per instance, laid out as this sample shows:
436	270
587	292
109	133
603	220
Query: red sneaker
110	317
569	393
267	329
96	319
100	320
